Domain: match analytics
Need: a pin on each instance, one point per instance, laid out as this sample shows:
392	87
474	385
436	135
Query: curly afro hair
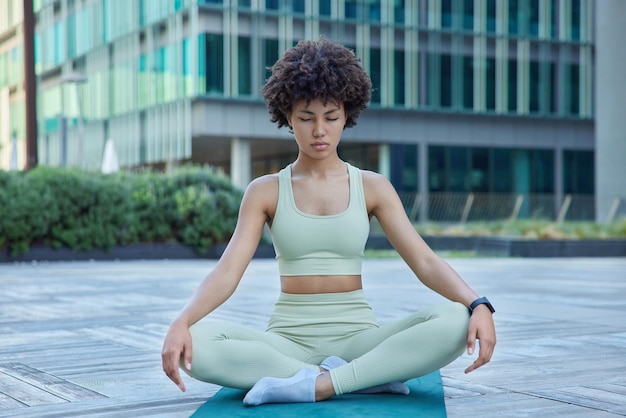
317	70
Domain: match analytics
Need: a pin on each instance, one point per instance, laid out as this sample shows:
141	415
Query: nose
319	130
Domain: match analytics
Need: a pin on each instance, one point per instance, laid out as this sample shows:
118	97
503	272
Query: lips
319	146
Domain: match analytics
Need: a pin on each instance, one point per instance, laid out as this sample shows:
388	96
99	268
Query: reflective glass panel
214	63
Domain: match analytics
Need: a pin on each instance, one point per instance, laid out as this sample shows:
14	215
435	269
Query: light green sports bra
308	245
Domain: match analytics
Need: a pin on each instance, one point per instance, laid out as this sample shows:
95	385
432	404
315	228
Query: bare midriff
320	284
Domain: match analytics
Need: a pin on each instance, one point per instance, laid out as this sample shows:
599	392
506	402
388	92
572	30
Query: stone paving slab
83	338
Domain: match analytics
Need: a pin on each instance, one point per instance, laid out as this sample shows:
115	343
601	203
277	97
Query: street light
76	79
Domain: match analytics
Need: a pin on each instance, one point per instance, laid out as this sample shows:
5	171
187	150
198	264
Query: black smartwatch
481	301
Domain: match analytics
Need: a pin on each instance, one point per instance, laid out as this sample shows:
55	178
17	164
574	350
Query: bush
532	229
85	210
24	212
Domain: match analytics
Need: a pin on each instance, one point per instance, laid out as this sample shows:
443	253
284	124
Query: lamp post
76	79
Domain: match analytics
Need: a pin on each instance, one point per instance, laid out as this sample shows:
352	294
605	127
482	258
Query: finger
484	357
471	341
476	364
175	377
170	367
470	346
187	357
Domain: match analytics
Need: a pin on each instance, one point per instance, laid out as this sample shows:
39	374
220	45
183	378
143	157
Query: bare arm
384	203
222	281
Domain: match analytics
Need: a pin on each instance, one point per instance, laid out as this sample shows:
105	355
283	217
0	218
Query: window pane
533	29
574	89
143	87
578	176
374	11
404	167
270	55
468	82
325	8
513	17
187	68
468	15
491	16
458	169
446	81
542	171
298	6
271	4
244	70
575	29
534	86
398	79
375	74
398	10
214	63
350	10
491	84
512	85
446	13
502	178
71	36
436	169
479	174
202	65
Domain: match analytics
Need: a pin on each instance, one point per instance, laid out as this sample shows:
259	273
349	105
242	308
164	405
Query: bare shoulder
378	190
372	176
264	183
375	183
262	193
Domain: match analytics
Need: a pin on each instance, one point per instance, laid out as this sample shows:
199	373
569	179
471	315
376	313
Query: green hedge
66	208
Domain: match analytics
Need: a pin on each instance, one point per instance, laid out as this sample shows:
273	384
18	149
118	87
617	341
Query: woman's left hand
481	328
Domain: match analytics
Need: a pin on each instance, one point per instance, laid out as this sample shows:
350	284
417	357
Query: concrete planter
511	247
487	246
516	247
151	251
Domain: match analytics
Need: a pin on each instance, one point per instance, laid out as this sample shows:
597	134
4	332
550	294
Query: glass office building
484	97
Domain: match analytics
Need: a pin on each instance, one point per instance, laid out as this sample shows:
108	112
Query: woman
322	339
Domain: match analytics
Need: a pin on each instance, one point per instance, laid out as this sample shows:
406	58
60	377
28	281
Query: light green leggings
305	329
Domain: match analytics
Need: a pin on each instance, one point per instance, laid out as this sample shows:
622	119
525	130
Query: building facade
482	101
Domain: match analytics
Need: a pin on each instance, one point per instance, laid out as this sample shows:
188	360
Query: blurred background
481	110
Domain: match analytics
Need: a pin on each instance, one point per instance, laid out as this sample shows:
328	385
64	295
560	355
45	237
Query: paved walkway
83	339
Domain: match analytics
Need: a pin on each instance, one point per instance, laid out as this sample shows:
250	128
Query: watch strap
481	301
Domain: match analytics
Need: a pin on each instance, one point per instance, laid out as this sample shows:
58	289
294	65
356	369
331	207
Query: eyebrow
313	113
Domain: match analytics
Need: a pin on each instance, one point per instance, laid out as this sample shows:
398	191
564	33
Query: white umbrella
109	160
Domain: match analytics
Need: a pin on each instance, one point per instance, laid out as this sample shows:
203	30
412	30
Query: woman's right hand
177	346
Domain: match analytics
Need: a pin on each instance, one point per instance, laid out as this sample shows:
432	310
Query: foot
333	362
298	388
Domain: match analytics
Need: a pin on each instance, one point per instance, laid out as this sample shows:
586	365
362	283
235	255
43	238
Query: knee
455	320
461	317
204	336
457	315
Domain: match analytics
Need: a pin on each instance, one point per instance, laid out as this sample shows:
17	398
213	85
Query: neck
327	166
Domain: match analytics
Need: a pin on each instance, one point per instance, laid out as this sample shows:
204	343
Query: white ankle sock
298	388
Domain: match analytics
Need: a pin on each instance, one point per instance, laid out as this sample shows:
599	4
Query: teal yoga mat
425	400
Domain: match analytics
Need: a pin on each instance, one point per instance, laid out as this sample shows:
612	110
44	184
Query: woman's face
317	127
